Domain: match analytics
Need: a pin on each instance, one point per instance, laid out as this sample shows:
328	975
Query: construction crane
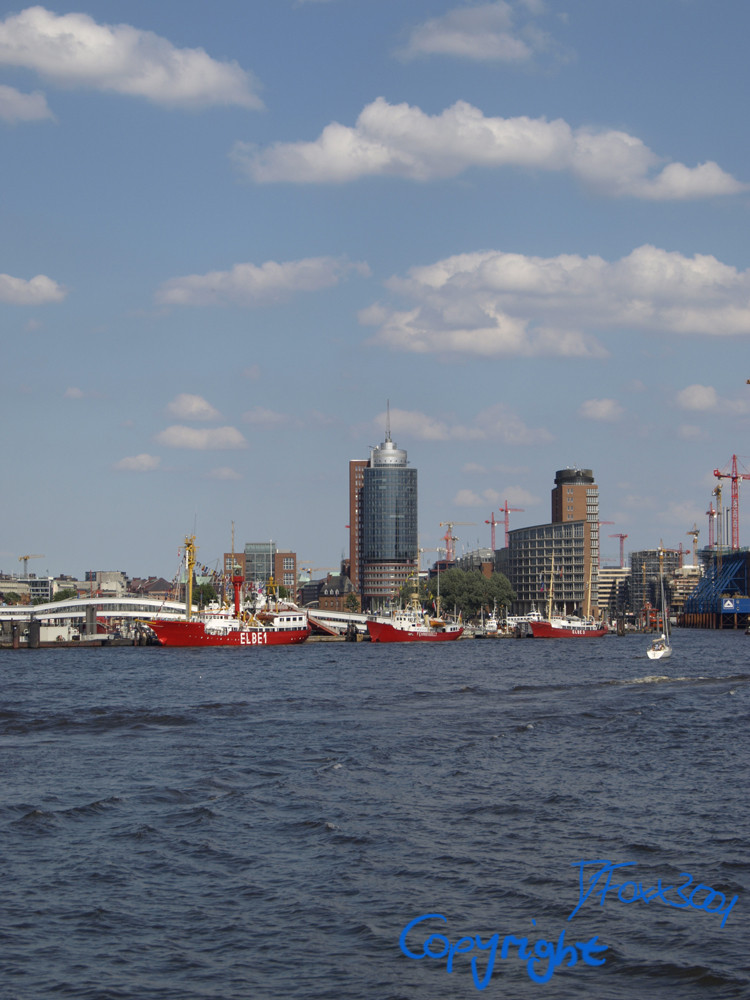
695	532
735	478
711	521
505	509
450	538
311	569
492	522
622	547
25	561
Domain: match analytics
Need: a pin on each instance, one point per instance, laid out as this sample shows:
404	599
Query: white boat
661	648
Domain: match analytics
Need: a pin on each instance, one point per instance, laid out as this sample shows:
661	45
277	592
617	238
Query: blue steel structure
721	598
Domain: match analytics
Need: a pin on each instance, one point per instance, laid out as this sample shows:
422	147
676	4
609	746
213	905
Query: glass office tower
389	525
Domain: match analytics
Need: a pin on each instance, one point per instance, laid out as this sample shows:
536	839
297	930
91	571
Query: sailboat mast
551	587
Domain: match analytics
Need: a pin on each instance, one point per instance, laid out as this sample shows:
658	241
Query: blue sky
233	232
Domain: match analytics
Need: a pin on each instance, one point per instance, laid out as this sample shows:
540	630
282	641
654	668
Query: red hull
193	633
546	630
385	632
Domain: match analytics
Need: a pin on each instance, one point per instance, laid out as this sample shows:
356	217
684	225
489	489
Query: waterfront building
383	524
614	591
477	561
357	468
560	559
645	567
330	594
262	561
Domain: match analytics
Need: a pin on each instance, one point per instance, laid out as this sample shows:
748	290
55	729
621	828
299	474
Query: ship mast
190	566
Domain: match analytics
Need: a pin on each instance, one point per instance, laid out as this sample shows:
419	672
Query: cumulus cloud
689	432
601	409
492	304
468	498
517	495
260	416
487	32
189	407
251	285
201	439
706	399
401	140
37	291
137	463
698	397
224	474
496	423
73	50
17	107
72	392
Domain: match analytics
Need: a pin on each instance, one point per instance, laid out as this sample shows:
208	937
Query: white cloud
517	495
496	423
689	432
74	50
189	407
250	285
401	140
468	498
18	107
492	304
706	399
485	32
201	439
137	463
601	409
37	291
698	397
263	417
73	393
224	474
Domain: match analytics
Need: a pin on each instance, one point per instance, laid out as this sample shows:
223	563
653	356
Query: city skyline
232	235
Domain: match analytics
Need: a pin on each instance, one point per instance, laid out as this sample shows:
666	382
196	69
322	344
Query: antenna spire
388	420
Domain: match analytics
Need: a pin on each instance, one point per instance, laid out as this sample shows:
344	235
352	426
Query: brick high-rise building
357	468
562	555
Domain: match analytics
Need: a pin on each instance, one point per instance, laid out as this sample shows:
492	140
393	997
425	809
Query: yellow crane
25	561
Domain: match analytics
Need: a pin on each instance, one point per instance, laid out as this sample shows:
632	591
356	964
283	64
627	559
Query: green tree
204	593
470	591
351	602
67	594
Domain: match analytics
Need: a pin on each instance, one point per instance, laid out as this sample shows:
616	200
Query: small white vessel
661	648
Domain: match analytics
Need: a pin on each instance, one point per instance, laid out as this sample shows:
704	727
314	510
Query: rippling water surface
264	823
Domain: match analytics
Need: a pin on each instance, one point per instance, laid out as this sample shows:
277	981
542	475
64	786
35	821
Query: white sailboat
661	648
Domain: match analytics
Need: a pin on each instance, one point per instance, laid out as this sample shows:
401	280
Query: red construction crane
450	539
505	509
735	478
622	548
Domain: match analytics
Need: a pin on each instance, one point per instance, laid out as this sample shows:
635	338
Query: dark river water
268	823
